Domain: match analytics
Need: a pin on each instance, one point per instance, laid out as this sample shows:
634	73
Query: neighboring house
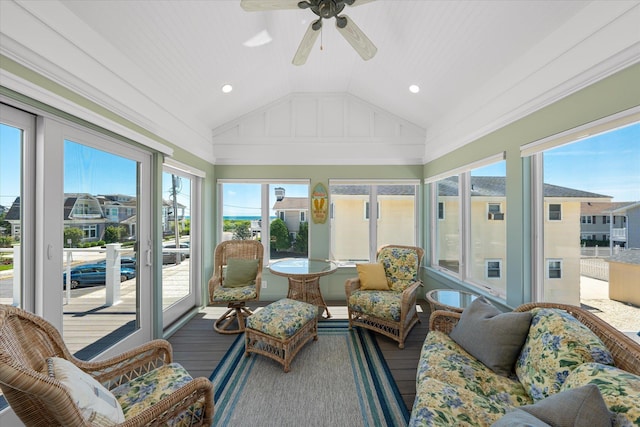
624	276
120	209
91	214
291	210
627	232
84	211
609	221
350	203
13	218
562	210
168	215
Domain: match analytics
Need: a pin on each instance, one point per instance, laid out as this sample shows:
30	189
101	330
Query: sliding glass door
180	233
96	237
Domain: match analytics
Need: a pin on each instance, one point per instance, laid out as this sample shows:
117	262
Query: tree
74	235
302	239
280	235
113	233
242	231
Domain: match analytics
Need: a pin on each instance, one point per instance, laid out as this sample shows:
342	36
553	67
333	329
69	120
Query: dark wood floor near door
199	349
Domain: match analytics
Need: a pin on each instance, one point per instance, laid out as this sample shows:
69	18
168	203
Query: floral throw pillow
557	344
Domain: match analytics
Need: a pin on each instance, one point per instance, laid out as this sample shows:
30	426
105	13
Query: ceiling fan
325	9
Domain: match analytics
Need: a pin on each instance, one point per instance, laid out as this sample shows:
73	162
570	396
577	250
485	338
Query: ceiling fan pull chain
321	34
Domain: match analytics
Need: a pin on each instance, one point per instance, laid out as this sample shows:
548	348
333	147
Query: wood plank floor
199	349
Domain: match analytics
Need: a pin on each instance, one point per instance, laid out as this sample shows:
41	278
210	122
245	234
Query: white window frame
486	268
194	297
491	216
443	217
549	212
265	208
303	217
373	196
464	191
548	268
367	210
534	151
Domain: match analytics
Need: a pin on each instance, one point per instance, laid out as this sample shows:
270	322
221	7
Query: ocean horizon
245	218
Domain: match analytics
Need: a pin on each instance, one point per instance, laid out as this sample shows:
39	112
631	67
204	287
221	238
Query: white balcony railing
619	234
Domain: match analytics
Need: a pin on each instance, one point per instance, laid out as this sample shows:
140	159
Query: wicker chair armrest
410	295
214	282
443	321
176	403
258	283
129	365
351	285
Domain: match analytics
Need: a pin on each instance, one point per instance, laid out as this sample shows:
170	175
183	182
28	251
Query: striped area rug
339	380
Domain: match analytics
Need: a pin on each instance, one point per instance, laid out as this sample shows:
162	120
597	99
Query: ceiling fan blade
356	38
306	45
360	2
258	5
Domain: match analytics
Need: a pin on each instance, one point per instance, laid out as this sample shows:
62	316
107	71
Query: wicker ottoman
280	330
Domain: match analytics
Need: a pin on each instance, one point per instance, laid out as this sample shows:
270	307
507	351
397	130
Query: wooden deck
199	349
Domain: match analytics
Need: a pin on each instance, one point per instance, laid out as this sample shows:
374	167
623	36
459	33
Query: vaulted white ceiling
479	65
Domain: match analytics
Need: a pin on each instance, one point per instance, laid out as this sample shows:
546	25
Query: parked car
170	257
93	274
183	245
125	261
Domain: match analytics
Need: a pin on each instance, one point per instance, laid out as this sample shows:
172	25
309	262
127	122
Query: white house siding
561	241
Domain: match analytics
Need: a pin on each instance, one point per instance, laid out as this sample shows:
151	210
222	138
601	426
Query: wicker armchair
233	320
26	341
625	351
378	310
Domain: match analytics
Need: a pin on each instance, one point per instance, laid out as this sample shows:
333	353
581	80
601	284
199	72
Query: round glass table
304	278
449	299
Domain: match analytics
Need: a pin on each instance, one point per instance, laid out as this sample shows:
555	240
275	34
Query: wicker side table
449	299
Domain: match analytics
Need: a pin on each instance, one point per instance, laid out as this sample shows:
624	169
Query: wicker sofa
454	388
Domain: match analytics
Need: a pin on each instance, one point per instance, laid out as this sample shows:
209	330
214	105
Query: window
563	179
587	219
554	269
17	141
367	211
493	268
555	212
247	205
441	210
495	212
474	228
354	236
447	231
90	231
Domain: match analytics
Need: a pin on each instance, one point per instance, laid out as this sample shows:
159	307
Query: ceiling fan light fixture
226	88
414	88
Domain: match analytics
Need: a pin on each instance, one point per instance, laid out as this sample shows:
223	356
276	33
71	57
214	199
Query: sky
607	164
245	199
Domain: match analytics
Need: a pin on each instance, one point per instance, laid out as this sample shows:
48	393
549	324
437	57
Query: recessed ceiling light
414	88
227	88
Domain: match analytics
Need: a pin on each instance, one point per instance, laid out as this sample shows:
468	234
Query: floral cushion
382	304
620	389
557	343
440	404
401	265
243	293
148	389
283	318
446	361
